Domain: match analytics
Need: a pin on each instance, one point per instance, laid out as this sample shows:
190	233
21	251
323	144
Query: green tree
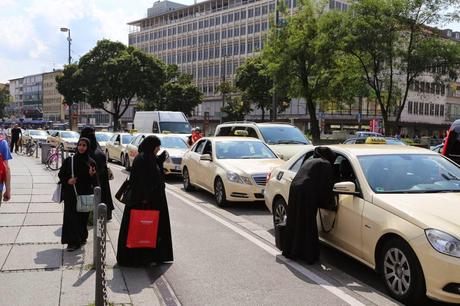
255	83
394	45
69	85
178	93
302	59
236	109
115	74
4	100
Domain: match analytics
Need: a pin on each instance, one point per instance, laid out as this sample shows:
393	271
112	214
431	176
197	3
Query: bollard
97	200
100	228
36	149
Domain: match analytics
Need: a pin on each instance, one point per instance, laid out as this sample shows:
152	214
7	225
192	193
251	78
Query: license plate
262	191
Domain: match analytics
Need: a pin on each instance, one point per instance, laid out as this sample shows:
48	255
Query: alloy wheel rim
397	271
280	213
219	191
186	179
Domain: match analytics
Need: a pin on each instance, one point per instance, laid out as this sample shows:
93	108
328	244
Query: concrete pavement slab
30	288
140	287
43	179
78	287
22	186
49	186
12	219
46	207
8	234
43	256
4	250
43	219
19	198
20	179
40	234
22	191
41	198
13	207
47	191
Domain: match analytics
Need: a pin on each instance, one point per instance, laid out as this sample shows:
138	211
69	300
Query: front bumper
442	272
237	192
172	168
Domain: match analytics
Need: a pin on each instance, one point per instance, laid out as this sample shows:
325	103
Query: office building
53	107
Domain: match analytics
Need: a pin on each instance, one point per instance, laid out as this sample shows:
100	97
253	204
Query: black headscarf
149	144
89	133
84	159
325	153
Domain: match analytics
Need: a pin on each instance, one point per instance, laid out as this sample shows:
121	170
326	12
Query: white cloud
38	49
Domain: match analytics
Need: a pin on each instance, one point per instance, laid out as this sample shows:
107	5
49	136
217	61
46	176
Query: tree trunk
263	114
116	118
315	132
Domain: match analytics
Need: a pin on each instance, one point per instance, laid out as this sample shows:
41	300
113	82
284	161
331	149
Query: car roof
232	138
379	149
256	123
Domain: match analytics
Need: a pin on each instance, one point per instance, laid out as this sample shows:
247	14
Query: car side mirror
345	188
206	157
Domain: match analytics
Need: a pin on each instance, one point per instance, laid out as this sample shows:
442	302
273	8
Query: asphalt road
227	257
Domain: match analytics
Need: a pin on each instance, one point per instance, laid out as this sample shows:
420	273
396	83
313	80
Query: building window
242	48
250	13
250	29
264	26
243	30
422	86
230	17
257	11
249	48
205	55
243	14
217	20
264	10
427	109
229	33
200	55
224	19
237	16
211	53
438	89
436	110
235	49
257	28
443	90
441	111
224	34
433	88
415	108
236	32
431	109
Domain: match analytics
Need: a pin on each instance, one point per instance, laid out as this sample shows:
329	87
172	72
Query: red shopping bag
143	229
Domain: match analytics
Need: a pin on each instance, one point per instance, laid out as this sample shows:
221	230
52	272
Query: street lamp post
69	39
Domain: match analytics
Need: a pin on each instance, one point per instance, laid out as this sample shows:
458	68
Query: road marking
274	252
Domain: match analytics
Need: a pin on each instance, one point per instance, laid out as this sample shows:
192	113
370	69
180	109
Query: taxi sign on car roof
375	140
240	133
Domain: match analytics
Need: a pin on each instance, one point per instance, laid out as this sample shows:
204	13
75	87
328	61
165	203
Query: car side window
343	171
113	138
224	131
155	128
360	140
118	138
296	166
208	148
200	146
252	132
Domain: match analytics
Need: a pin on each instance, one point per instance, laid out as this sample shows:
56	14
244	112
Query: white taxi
115	148
102	138
232	168
64	139
176	147
131	149
398	212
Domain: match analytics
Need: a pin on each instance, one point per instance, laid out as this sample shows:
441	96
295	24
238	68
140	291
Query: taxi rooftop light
240	133
375	140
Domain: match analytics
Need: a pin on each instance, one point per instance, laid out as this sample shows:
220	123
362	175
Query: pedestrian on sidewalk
100	158
74	227
16	133
148	192
310	189
5	174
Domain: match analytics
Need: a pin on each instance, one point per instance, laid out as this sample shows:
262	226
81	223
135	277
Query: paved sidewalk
35	269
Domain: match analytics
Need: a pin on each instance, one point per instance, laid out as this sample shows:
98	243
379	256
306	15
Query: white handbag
57	193
85	202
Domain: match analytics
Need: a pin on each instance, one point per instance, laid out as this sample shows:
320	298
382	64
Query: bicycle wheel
54	162
30	150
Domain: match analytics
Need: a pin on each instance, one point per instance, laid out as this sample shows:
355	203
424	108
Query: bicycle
27	148
54	159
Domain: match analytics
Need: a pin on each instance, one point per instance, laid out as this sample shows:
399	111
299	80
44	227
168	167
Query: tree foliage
177	94
113	74
69	85
235	107
4	100
302	59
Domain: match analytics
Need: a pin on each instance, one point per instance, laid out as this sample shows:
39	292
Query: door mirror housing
206	157
345	188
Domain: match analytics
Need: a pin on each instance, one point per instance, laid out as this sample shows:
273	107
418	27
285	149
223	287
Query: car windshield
102	137
70	135
243	150
125	139
283	135
173	143
175	127
410	173
38	133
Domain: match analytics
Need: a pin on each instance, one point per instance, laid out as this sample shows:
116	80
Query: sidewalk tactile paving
30	288
8	234
40	234
12	219
13	207
4	250
43	219
45	207
43	256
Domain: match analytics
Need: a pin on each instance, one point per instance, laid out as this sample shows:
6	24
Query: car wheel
279	211
122	160
127	166
186	180
219	193
401	272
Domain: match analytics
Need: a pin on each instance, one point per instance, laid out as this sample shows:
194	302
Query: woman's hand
72	181
92	170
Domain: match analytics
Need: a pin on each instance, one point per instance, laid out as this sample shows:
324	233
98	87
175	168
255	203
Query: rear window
283	135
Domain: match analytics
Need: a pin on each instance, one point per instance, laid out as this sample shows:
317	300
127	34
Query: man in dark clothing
15	132
310	189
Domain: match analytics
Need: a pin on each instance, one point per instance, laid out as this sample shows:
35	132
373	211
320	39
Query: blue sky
30	37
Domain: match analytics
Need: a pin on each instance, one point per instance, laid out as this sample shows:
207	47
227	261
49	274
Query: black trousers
13	144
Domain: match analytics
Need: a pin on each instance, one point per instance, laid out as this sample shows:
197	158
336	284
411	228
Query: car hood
250	166
71	140
286	151
175	152
436	210
39	137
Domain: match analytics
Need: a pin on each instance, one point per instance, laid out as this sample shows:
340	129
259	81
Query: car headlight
443	242
236	178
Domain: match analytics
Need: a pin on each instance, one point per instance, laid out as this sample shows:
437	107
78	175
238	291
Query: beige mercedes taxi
176	147
232	168
398	212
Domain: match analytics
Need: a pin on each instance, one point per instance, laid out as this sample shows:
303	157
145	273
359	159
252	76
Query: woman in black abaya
74	230
310	189
148	192
99	156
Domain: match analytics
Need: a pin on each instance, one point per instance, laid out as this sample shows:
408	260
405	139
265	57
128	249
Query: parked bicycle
54	159
27	148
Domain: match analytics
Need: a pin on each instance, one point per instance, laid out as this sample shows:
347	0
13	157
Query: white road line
276	253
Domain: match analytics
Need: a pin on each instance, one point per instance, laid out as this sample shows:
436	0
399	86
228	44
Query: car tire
186	180
279	210
127	165
402	273
219	193
122	159
107	155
